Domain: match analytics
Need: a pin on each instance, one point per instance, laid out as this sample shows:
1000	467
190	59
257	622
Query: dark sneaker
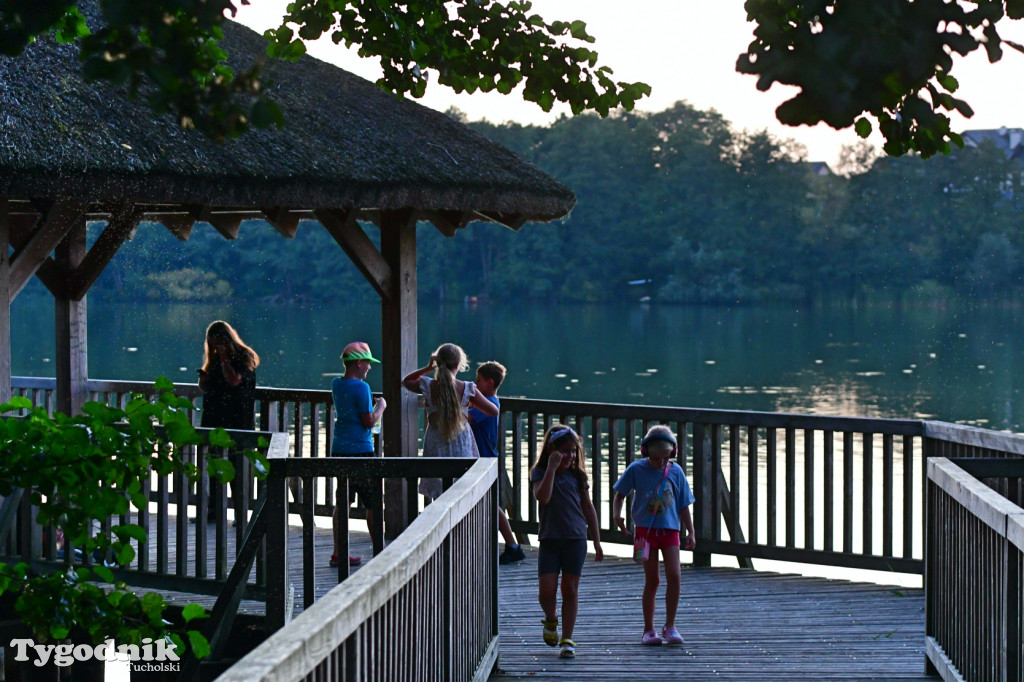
511	555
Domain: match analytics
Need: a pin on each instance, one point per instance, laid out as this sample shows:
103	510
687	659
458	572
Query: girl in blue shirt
661	500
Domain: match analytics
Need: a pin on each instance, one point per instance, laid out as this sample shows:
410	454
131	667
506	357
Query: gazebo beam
59	219
286	223
179	224
19	234
447	222
513	221
342	225
123	223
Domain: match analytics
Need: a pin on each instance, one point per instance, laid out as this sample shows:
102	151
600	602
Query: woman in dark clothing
228	382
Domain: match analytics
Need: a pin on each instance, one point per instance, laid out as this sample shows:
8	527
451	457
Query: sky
686	50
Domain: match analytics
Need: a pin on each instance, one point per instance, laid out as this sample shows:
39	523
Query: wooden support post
277	547
5	310
71	326
704	508
398	335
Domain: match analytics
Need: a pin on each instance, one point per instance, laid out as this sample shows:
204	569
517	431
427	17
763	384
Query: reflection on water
949	363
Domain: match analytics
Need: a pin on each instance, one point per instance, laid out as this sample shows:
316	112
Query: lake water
948	362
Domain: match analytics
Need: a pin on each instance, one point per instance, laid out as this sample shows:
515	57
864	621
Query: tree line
676	205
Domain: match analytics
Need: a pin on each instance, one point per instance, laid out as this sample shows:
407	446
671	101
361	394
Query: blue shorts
567	556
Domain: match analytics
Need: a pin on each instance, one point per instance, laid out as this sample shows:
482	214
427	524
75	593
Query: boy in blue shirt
661	503
489	376
355	416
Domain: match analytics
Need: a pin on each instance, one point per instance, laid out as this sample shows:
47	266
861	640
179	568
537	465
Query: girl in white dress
446	400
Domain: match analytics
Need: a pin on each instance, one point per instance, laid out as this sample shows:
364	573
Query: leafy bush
83	469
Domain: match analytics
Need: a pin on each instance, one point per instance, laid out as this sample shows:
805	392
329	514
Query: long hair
239	354
451	419
557	438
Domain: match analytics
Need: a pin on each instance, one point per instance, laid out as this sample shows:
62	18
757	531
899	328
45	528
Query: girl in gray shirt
566	514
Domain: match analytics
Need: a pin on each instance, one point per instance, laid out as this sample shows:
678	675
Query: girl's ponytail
451	419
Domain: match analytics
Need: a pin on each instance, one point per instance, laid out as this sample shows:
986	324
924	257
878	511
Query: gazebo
72	152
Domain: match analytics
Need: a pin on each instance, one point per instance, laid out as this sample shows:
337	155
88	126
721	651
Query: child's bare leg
548	596
672	579
650	589
334	527
505	529
570	603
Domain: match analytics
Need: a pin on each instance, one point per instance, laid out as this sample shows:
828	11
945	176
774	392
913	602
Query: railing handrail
974	534
333	618
985	504
912	427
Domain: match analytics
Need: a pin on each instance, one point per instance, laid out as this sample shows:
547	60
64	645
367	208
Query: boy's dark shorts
369	490
565	556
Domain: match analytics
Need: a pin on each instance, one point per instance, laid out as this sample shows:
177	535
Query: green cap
357	350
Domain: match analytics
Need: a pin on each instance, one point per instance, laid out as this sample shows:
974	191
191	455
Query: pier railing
813	489
425	608
974	579
194	558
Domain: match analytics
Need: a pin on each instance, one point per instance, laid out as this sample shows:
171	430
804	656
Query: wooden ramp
738	625
326	577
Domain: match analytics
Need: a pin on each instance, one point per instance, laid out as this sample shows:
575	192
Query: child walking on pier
566	515
661	500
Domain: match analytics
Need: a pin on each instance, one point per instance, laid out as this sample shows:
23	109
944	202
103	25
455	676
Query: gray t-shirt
562	517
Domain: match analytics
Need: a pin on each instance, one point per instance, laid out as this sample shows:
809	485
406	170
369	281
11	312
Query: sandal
568	649
550	631
671	635
352	561
651	638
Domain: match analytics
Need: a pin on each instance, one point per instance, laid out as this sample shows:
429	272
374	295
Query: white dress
463	445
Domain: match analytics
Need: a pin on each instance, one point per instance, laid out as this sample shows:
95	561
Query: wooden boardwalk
738	625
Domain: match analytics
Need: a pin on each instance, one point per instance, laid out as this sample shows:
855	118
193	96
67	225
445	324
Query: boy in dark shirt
485	429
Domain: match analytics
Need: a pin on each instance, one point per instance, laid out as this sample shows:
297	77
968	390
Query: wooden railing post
277	546
704	516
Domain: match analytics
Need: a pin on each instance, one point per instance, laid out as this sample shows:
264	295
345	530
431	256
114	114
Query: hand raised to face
555	459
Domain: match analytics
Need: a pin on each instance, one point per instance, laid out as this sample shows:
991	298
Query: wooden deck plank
738	625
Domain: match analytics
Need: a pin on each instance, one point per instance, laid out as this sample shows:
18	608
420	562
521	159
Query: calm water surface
953	362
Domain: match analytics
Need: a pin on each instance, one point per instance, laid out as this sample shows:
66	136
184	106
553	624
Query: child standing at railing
566	515
661	500
446	400
355	416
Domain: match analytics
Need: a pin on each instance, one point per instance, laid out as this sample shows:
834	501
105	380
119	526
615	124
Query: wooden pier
739	624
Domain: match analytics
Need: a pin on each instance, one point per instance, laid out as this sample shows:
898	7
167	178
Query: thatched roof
346	144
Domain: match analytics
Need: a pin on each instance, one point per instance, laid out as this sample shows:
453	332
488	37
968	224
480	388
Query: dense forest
675	205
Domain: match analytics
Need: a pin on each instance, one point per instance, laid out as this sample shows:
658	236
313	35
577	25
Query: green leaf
200	646
124	554
58	632
219	438
862	127
266	113
948	82
16	403
129	531
103	573
192	612
220	469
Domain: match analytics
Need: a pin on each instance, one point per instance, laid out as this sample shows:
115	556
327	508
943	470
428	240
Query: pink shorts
659	538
